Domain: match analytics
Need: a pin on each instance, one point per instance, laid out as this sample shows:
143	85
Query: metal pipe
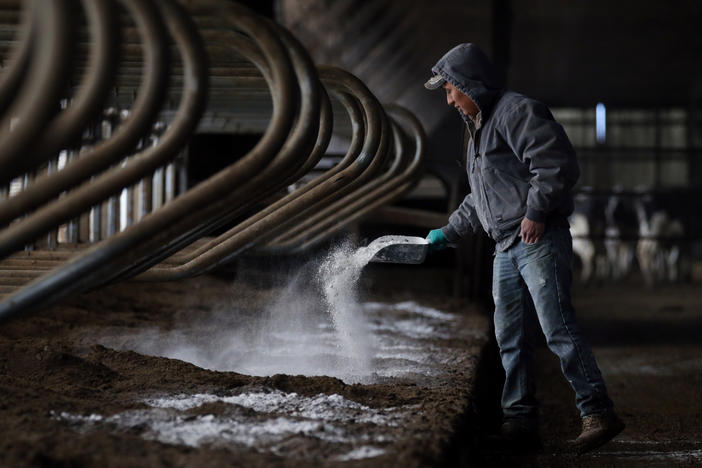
63	130
145	194
73	226
159	274
95	233
293	147
384	193
150	97
330	213
365	169
39	97
355	147
109	121
183	172
157	189
170	182
92	266
111	182
290	158
16	64
282	114
372	153
280	157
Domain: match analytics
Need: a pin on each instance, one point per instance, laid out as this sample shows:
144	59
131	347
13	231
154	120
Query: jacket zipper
481	179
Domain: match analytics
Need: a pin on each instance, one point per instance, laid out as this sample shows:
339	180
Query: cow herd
619	234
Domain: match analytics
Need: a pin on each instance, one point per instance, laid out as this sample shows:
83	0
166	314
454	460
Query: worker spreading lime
521	167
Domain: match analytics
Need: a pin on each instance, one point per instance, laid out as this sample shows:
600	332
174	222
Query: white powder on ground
276	418
176	428
360	453
412	307
321	407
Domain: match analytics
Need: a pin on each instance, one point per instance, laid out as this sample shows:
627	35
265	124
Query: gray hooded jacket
519	160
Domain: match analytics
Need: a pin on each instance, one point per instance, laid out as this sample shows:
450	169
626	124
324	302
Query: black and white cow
587	227
613	232
663	251
621	233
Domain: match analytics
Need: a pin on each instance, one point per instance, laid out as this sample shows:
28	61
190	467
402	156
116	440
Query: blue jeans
532	282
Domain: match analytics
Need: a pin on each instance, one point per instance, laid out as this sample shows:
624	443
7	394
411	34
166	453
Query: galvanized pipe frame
39	98
111	182
337	212
150	98
330	213
356	118
335	182
370	169
293	148
97	80
306	145
97	263
17	61
319	147
231	74
359	173
67	126
297	145
355	153
287	158
57	257
46	288
276	120
372	162
183	250
370	158
179	266
362	206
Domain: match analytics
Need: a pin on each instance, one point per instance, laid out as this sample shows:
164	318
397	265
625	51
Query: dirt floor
647	342
81	384
73	395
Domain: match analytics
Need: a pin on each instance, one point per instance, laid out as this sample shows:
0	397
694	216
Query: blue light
600	122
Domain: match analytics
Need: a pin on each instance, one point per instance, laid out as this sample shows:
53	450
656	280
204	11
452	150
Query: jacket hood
467	68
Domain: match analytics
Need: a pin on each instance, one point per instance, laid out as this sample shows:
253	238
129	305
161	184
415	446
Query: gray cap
435	82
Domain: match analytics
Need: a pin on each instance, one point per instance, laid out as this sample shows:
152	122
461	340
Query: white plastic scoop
399	249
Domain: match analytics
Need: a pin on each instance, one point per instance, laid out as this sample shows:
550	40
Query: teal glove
437	240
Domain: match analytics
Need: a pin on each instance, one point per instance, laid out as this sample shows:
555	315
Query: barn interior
189	194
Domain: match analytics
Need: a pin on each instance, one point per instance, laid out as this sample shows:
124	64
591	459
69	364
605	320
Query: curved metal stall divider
96	176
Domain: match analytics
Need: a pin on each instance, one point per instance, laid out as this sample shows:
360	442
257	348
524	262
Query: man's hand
532	232
437	239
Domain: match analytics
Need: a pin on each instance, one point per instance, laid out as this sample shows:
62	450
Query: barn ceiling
629	53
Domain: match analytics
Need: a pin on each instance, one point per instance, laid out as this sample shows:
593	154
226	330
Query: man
521	167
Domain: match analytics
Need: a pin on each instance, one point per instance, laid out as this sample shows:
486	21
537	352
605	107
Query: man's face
457	99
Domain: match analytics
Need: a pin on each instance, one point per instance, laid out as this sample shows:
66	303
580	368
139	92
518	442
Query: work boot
598	429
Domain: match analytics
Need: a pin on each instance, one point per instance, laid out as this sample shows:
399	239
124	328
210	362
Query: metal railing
78	154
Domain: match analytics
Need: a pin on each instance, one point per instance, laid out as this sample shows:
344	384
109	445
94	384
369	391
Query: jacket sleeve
462	221
541	143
